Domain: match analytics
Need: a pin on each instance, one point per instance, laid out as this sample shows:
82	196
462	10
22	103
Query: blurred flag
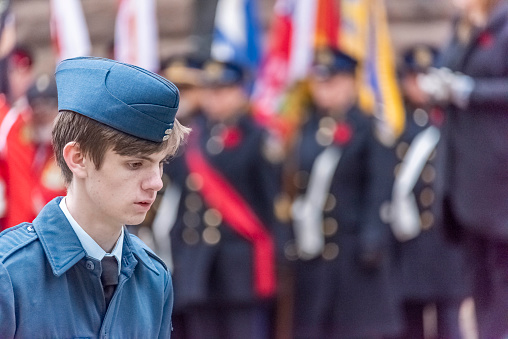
136	34
4	7
237	33
359	28
365	36
298	27
69	31
7	42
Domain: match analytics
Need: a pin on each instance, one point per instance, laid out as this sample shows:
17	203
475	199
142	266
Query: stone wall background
182	26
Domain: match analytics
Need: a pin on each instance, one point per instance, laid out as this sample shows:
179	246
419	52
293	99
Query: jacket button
30	228
190	236
331	251
194	182
211	236
212	217
90	265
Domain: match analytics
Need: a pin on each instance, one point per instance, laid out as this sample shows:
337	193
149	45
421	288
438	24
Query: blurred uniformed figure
343	282
472	87
223	241
185	71
17	143
28	168
433	271
7	42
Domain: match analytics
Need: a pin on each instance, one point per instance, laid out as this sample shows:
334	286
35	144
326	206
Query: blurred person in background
185	72
19	76
31	175
17	143
343	283
224	239
472	86
7	41
433	270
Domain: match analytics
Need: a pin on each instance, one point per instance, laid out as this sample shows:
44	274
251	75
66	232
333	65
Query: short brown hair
95	138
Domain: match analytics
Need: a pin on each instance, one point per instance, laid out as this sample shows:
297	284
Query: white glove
445	87
461	87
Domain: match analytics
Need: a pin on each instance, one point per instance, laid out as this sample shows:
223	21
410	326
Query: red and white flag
298	27
69	31
136	34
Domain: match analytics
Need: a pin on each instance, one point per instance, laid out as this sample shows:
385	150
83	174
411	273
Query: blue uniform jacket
49	288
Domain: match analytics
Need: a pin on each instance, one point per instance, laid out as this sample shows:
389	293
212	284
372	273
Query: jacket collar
62	246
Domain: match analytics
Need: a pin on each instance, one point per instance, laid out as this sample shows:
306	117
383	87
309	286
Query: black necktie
109	277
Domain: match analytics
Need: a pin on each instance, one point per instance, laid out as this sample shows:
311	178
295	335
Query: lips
145	203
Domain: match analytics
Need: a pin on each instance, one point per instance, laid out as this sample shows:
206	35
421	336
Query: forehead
151	156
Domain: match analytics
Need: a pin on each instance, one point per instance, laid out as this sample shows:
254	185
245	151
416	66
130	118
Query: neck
104	233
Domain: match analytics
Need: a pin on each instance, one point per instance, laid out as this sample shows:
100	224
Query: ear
75	159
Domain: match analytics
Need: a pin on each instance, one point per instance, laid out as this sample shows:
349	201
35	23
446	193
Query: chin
135	220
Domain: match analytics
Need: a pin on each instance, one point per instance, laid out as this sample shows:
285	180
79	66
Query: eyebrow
148	158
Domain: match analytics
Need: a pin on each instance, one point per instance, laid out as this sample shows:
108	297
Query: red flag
298	27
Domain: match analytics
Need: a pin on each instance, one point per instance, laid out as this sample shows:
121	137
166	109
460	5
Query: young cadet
75	271
343	285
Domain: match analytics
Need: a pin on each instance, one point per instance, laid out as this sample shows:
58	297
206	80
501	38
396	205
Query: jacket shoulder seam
13	245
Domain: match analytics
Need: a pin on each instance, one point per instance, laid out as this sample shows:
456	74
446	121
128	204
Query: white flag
136	34
69	31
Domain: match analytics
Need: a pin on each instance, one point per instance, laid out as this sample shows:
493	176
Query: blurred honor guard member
185	73
75	271
432	270
222	242
343	283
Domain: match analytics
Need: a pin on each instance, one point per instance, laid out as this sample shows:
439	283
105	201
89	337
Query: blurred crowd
333	230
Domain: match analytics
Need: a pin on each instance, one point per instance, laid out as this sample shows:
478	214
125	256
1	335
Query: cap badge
214	70
423	57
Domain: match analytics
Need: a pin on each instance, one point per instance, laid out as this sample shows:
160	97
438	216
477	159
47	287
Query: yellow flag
364	35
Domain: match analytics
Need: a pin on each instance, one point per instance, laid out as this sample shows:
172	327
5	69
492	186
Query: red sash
219	194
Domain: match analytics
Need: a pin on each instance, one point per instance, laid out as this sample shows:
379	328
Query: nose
153	181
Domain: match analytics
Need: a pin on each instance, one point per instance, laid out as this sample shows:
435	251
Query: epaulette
156	257
148	250
15	238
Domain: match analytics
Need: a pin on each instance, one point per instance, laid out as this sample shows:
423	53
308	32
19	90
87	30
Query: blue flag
237	33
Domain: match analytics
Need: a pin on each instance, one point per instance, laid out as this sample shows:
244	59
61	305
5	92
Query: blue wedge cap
125	97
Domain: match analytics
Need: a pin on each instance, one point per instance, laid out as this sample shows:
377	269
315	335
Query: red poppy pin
486	39
342	134
437	117
231	137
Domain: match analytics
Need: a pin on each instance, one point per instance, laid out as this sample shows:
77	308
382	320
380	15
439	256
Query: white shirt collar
91	248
